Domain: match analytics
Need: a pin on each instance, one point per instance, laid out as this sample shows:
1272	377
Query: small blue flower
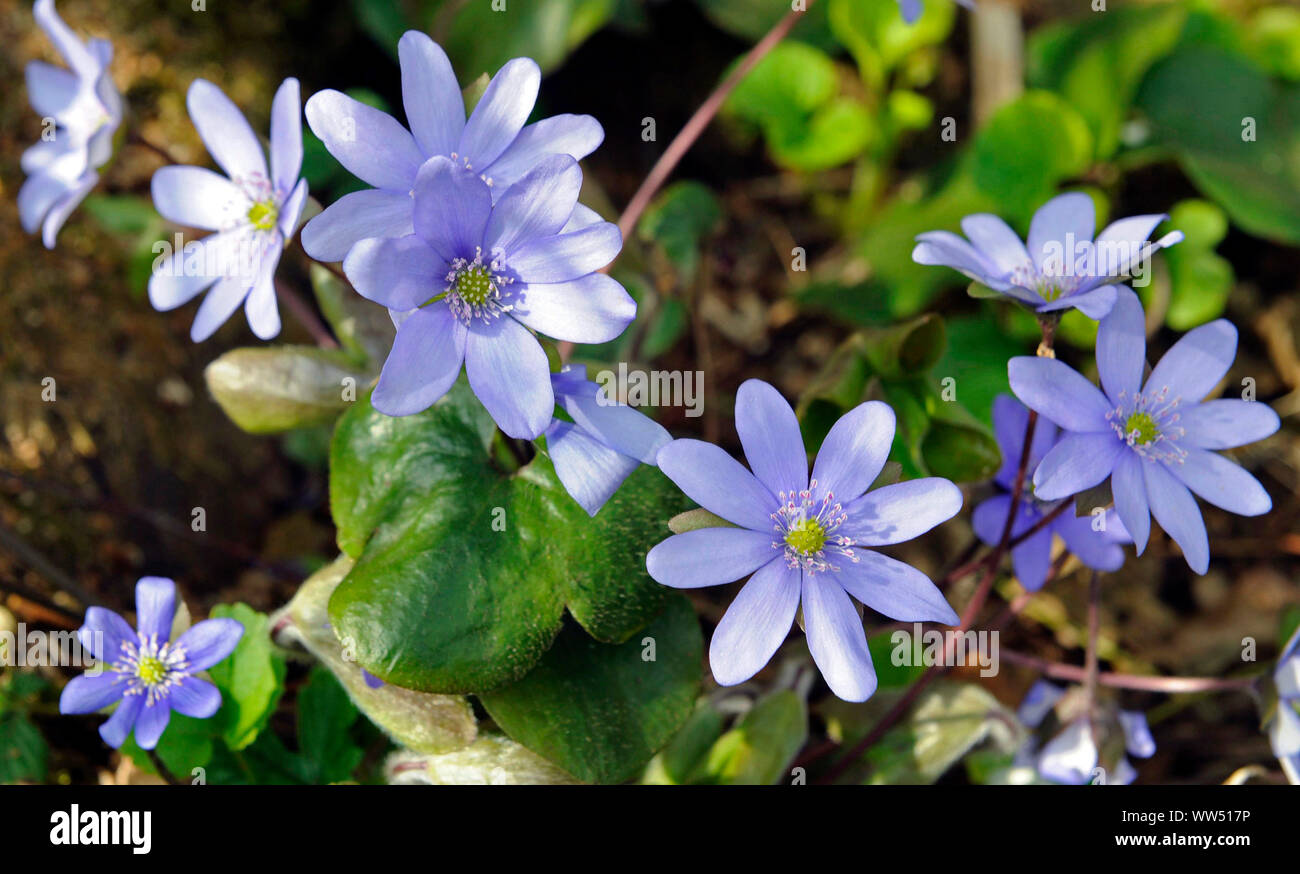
803	540
1032	558
1063	266
86	109
1071	756
603	444
146	673
370	679
1154	439
374	147
912	9
1284	731
254	212
476	276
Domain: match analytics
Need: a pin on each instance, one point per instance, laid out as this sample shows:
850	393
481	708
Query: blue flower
1154	439
912	9
1071	756
86	110
1284	731
603	444
476	276
254	212
1032	558
374	146
803	540
146	673
1062	267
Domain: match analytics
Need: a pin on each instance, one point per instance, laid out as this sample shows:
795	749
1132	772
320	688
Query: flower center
806	537
1148	423
806	528
262	215
1142	429
478	289
150	668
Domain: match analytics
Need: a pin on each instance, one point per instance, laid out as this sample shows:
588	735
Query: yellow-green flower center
1142	427
806	537
262	215
474	286
151	670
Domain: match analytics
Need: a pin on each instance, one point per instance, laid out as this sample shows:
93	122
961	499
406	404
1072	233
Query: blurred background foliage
781	250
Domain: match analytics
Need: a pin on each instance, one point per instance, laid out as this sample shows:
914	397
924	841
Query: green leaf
275	388
1118	48
1236	133
482	38
678	760
1200	279
1273	35
187	743
24	754
976	361
888	674
251	679
1027	148
121	213
760	749
325	717
678	220
419	721
492	760
463	572
791	94
904	349
600	711
947	722
878	37
961	452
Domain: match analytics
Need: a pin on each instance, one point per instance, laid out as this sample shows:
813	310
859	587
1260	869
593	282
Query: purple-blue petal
594	308
452	209
356	216
401	273
152	722
116	728
1059	392
755	624
899	512
574	135
1221	482
155	607
370	144
1227	423
719	484
1128	485
104	634
501	112
510	375
208	642
195	697
1176	511
89	693
424	362
538	205
836	638
431	96
893	588
769	433
1121	347
589	470
1195	364
1076	463
709	557
855	451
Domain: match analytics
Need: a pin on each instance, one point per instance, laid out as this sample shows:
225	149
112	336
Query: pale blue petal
538	205
423	364
208	642
286	135
1196	363
225	132
89	693
566	256
574	135
709	557
893	588
356	216
589	470
1121	347
1128	485
1222	483
509	373
854	451
719	484
431	95
836	638
769	433
756	623
899	512
591	309
1176	511
500	113
371	144
1060	393
452	206
1227	423
155	607
1076	463
401	273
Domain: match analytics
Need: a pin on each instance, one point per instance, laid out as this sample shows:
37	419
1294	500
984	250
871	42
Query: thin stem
698	122
135	138
162	769
1091	660
305	315
1167	685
